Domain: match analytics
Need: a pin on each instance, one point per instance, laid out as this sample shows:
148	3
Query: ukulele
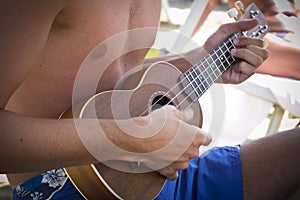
156	86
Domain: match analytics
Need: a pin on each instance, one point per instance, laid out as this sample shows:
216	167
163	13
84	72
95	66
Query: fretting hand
251	52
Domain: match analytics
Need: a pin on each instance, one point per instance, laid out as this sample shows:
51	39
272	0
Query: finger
202	138
244	68
169	173
233	77
240	72
237	27
245	41
289	13
173	177
262	52
171	109
185	115
180	165
247	55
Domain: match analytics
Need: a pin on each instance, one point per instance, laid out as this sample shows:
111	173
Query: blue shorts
217	174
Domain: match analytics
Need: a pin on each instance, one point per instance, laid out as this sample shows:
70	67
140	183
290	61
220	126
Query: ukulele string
237	35
187	96
217	69
194	80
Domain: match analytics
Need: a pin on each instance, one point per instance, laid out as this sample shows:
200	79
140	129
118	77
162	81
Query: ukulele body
157	84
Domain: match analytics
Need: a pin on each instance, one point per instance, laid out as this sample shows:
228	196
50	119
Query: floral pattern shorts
53	184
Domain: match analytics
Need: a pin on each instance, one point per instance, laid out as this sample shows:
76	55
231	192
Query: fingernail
233	51
188	114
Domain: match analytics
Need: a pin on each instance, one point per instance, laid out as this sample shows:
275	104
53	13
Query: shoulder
25	25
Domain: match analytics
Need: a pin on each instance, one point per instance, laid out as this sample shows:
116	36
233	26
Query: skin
275	62
273	65
42	48
271	167
270	10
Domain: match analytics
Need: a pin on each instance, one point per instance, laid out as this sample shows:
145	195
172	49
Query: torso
77	29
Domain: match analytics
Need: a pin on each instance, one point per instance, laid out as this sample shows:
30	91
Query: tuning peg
240	6
233	13
254	13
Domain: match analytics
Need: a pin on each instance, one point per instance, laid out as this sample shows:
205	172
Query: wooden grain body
160	78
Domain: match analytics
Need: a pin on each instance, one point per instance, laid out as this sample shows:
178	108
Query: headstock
252	11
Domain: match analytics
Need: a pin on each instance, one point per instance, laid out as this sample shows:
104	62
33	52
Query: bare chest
76	31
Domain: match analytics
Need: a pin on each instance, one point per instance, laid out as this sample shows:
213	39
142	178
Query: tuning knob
254	13
240	6
233	13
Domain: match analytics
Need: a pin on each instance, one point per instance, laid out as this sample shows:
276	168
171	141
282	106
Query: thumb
239	26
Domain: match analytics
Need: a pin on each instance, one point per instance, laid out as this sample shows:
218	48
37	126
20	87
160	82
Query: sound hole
160	101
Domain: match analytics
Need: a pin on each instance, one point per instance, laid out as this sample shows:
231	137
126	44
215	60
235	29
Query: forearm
277	66
33	144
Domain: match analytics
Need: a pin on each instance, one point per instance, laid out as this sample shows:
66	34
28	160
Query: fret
207	77
188	88
230	40
221	58
198	79
201	76
204	81
215	58
224	57
196	73
205	73
207	70
229	46
190	79
224	49
210	67
218	63
210	72
201	67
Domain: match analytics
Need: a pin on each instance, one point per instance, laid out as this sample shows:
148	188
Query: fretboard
201	76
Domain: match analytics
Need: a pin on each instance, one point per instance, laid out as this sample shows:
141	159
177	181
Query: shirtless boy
43	44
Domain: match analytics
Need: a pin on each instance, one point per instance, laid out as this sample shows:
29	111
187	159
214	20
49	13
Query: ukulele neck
201	76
